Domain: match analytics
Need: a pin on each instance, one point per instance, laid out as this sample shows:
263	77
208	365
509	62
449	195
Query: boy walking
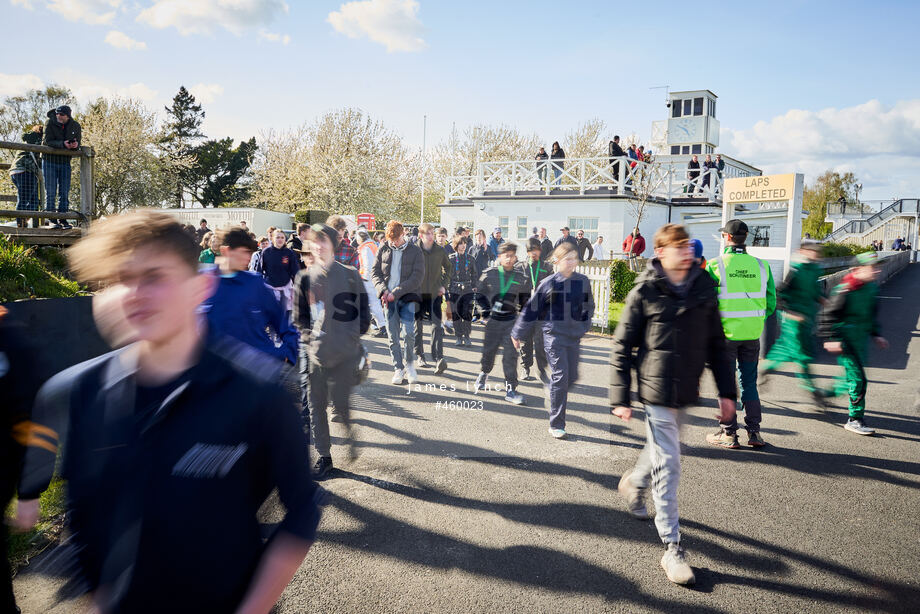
848	322
165	430
672	318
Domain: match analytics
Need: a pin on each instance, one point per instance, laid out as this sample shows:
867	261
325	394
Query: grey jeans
659	465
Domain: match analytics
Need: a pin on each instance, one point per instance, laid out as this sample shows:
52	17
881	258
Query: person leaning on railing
61	132
24	174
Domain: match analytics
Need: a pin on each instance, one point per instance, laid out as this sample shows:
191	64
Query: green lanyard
503	289
534	276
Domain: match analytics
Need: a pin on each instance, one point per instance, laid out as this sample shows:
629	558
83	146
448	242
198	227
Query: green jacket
747	297
800	292
851	313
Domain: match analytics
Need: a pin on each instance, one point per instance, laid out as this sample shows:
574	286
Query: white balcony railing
667	180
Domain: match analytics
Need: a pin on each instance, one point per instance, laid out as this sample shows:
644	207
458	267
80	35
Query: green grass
616	309
33	272
23	546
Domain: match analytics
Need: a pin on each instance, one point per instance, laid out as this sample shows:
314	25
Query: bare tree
588	140
643	180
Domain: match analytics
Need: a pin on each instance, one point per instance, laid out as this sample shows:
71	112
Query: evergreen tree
222	171
181	130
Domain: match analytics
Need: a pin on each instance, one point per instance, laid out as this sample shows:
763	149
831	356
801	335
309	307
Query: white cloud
87	90
206	93
120	40
392	23
93	12
16	85
202	16
274	37
879	143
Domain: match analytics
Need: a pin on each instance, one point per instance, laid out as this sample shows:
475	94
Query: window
709	149
697	149
685	149
688	104
465	223
675	150
503	224
697	106
522	228
761	236
713	113
675	108
588	224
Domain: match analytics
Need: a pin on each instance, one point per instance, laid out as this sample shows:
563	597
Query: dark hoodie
27	161
56	133
677	331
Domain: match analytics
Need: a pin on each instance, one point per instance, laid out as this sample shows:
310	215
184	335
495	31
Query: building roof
694	92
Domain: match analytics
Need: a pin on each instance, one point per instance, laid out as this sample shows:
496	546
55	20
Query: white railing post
581	176
513	178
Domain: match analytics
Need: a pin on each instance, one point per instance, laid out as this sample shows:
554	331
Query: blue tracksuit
563	309
279	266
243	307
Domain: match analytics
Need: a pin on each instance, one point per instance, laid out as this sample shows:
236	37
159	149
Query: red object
634	248
366	220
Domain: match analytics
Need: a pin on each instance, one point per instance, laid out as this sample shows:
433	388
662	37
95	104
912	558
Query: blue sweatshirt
279	266
561	307
243	307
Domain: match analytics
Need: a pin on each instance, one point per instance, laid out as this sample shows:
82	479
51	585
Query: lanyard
503	289
534	276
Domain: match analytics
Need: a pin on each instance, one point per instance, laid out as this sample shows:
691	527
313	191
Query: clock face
685	130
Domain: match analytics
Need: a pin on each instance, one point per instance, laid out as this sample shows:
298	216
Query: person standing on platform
672	317
557	155
848	322
747	297
541	159
614	151
397	277
502	292
799	298
331	312
709	169
61	132
24	173
367	257
585	250
462	277
534	271
434	285
693	175
563	306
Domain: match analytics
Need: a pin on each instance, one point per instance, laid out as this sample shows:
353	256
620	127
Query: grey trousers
659	466
335	382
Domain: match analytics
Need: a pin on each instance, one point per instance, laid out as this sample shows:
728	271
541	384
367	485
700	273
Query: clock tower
692	124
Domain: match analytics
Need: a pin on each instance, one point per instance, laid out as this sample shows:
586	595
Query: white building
596	194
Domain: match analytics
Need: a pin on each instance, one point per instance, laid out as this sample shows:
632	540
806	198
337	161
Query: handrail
862	226
84	150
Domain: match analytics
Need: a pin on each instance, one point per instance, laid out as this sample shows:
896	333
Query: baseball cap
564	228
735	227
496	229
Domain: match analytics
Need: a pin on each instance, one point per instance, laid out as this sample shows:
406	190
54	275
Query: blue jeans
557	174
27	190
57	181
659	466
401	315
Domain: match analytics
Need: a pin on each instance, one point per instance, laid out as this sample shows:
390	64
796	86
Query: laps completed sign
366	220
764	188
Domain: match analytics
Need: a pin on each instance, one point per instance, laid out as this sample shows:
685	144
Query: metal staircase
904	207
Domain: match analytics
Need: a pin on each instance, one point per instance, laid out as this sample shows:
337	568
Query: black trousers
430	310
533	344
461	306
498	334
335	382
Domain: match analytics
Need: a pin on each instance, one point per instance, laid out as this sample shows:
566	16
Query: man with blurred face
435	281
180	422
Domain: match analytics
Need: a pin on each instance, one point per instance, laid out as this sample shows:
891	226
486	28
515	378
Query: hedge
621	280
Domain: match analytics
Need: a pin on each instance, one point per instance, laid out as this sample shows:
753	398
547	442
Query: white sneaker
399	376
674	563
856	425
411	375
557	433
481	381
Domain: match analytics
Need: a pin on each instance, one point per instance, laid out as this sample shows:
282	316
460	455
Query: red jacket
637	248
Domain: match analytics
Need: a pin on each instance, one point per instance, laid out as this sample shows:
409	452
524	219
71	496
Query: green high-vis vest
747	294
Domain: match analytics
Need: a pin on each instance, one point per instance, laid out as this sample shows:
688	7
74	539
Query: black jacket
557	157
345	314
141	485
568	239
437	269
534	271
676	337
462	272
546	248
481	258
490	295
585	250
56	134
614	150
411	271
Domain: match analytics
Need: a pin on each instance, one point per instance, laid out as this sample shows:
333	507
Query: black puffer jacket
676	337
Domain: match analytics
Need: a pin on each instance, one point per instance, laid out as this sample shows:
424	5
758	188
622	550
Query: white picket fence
600	288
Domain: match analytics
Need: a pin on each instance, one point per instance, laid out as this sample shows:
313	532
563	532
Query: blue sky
796	80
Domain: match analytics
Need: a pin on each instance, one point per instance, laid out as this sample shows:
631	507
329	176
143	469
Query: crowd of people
235	352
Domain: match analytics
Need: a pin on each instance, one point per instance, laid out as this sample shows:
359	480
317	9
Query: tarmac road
481	510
